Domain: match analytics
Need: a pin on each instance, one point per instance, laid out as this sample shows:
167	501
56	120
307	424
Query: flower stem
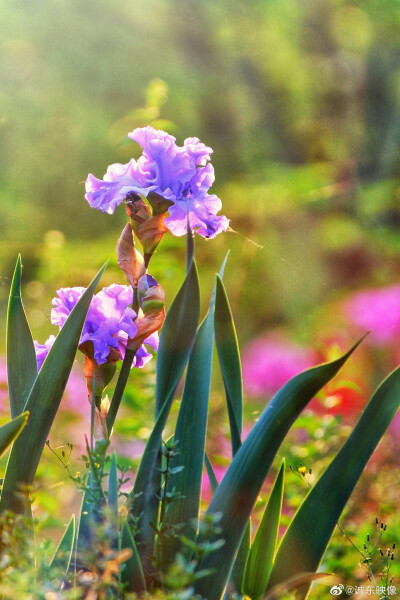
92	409
119	389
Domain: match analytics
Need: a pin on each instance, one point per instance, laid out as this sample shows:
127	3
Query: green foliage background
300	101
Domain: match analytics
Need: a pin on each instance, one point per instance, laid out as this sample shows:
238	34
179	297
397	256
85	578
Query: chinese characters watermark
384	593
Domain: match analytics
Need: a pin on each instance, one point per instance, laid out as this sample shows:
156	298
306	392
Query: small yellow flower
302	470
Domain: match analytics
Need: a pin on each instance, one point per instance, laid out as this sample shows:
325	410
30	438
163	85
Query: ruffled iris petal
180	174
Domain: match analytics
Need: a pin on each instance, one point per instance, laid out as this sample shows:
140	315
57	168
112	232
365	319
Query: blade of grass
113	485
259	563
229	360
21	356
63	553
177	337
132	572
211	475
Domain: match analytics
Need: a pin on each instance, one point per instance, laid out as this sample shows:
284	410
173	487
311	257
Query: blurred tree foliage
300	101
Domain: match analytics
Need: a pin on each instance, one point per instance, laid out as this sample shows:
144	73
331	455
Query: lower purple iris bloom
109	324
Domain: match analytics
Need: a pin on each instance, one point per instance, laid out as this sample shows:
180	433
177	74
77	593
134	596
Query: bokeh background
301	103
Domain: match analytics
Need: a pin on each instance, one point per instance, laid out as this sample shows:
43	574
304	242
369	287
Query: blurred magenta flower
75	394
377	310
3	384
182	175
270	361
108	326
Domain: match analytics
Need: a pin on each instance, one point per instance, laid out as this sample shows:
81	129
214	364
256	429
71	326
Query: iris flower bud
152	310
129	259
149	229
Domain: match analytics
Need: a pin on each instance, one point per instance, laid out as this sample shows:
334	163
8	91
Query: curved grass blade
314	522
293	584
132	572
229	360
63	553
11	430
176	342
238	490
260	560
211	475
21	356
43	402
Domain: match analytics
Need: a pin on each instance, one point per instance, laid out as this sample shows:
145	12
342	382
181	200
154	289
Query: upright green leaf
21	356
177	337
132	573
112	501
11	430
307	537
63	553
261	556
113	485
238	490
229	360
43	403
190	436
176	342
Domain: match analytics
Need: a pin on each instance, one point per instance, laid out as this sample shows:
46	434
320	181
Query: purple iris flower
42	350
109	323
181	174
119	181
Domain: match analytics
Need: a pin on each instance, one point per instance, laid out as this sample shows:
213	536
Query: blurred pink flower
270	361
3	386
377	310
394	428
75	396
